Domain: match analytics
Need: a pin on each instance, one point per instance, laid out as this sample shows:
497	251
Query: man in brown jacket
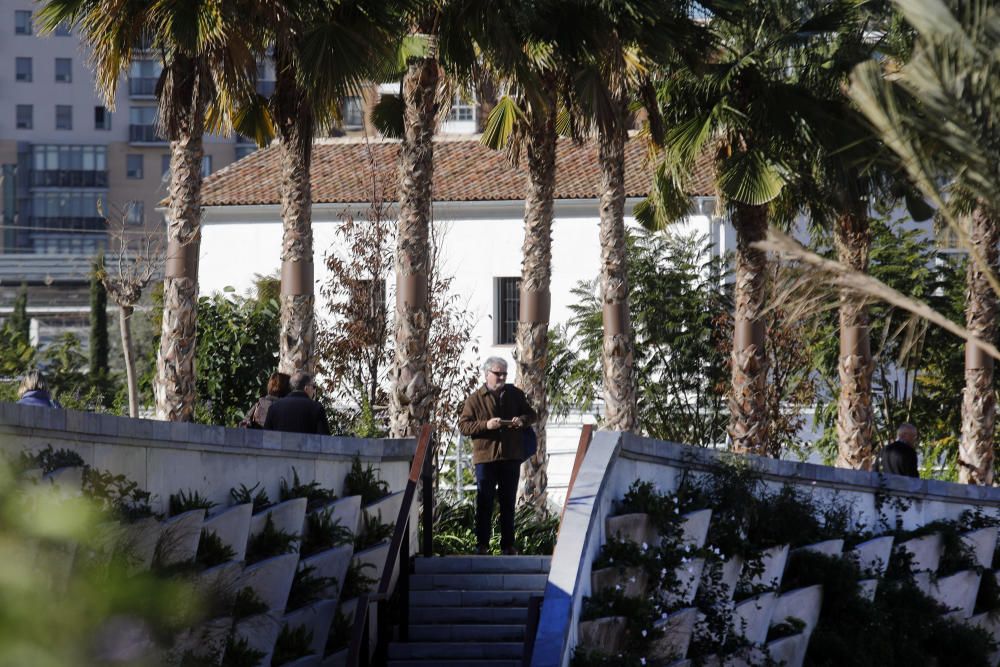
495	417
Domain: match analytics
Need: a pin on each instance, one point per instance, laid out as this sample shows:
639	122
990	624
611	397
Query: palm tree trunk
975	452
618	354
124	321
748	424
855	419
412	394
536	276
295	127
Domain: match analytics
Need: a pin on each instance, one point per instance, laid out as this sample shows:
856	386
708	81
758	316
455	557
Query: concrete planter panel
261	632
867	587
688	575
386	509
632	581
306	661
287	516
827	548
331	563
317	619
271	580
206	639
346	511
179	541
803	604
338	659
982	543
752	617
774	567
636	528
872	556
926	552
731	571
605	634
220	581
677	630
695	528
139	540
374	556
232	526
957	592
789	651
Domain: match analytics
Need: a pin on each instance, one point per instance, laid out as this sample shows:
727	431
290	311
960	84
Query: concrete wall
164	458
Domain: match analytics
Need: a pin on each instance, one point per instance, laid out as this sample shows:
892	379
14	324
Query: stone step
512	615
470	598
466	633
478	582
433	662
438	651
482	564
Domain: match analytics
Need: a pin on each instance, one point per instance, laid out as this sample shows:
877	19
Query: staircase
469	611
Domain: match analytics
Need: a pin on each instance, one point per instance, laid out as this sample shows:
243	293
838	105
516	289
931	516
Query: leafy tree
19	322
237	352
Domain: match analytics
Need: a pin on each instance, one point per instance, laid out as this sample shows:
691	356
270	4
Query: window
63	30
353	116
243	151
22	22
142	77
134	213
133	165
55	157
462	110
64	70
102	118
142	124
25	113
64	117
206	165
506	306
22	69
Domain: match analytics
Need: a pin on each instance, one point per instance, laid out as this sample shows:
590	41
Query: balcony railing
68	178
142	86
144	134
95	223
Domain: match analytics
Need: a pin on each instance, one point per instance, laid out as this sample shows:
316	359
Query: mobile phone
506	422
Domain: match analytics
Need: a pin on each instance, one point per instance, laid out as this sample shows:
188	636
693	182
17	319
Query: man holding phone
495	417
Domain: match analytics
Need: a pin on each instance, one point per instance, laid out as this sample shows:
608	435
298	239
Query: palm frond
750	178
387	116
501	122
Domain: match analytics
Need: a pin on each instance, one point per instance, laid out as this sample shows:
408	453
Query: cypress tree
19	321
98	321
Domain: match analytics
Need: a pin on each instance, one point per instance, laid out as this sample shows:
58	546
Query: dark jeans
489	477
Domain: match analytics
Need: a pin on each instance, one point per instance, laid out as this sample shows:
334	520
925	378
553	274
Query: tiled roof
463	171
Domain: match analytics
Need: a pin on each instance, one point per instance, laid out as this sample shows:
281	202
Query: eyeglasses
499	374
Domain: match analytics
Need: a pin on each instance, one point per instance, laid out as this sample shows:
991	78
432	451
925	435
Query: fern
323	533
314	492
212	550
356	581
340	633
239	654
247	604
292	644
363	482
181	502
306	588
269	542
372	532
244	495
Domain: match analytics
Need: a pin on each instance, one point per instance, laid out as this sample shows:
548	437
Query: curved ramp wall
614	460
167	457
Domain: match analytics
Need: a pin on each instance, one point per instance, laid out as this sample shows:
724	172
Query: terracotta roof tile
463	171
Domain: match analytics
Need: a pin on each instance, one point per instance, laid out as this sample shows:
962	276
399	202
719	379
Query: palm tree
752	108
203	47
936	116
324	50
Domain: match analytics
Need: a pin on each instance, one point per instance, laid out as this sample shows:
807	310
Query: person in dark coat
494	416
277	388
900	457
33	390
298	412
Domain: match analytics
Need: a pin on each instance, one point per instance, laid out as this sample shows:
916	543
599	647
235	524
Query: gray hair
32	381
494	361
299	381
906	427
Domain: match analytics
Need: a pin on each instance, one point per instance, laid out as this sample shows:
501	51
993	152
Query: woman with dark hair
277	387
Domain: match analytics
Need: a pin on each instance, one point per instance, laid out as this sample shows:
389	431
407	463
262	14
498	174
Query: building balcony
144	134
92	223
68	178
142	86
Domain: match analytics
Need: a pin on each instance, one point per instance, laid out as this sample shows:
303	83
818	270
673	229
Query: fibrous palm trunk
618	358
412	393
975	454
536	276
855	419
295	128
185	100
748	425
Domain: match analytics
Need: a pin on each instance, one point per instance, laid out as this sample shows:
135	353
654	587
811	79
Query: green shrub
269	542
340	633
49	459
244	495
323	533
535	530
292	644
182	502
362	481
239	654
212	550
307	588
356	581
117	494
246	604
316	494
372	532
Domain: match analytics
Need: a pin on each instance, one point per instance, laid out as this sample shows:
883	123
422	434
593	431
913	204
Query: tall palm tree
203	48
752	109
323	50
936	116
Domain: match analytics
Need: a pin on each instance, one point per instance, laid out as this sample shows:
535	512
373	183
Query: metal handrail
360	654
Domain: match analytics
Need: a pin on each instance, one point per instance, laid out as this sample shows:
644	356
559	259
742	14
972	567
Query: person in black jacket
900	457
298	412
